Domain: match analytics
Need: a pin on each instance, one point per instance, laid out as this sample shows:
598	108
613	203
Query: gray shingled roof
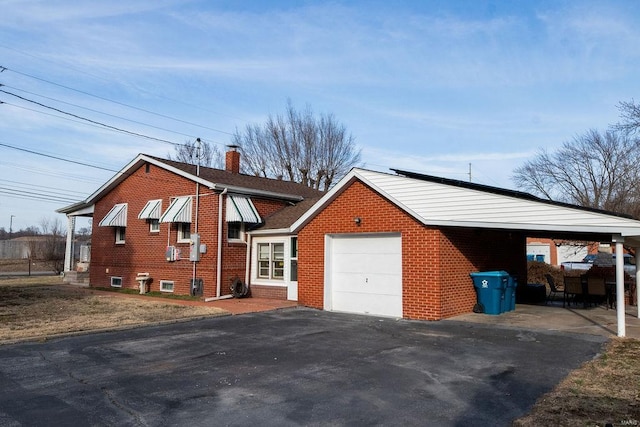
224	177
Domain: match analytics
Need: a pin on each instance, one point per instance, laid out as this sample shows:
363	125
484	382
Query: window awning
152	210
241	209
117	216
178	211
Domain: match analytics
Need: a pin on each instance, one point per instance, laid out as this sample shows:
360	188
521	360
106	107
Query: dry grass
603	391
37	307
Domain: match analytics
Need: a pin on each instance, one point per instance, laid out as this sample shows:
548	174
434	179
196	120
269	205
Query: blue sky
429	86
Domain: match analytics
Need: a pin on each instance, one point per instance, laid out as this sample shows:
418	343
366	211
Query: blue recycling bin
490	288
509	302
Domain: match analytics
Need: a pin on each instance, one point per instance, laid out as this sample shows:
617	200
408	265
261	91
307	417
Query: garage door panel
386	284
366	275
372	264
372	304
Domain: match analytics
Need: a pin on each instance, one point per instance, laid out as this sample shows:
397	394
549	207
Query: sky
468	90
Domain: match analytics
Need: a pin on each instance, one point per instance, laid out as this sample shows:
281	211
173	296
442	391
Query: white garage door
364	274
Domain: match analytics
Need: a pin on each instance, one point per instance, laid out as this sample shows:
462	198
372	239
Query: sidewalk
232	305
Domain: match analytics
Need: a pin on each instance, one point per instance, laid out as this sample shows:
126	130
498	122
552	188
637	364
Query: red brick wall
273	292
471	250
145	252
435	263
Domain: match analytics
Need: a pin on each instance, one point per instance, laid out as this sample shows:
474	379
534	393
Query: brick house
404	245
186	226
397	245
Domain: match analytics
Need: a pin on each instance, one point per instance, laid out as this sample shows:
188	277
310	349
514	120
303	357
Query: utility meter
194	247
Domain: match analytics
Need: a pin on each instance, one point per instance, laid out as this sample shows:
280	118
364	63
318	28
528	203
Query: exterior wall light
357	220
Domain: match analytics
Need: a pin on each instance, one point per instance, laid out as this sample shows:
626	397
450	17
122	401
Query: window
120	232
293	271
184	232
116	282
154	225
234	231
166	286
271	261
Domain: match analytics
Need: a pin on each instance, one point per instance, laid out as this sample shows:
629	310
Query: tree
593	170
210	156
52	249
630	115
299	147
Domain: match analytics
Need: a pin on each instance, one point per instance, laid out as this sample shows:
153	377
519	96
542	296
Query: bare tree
593	170
210	155
52	250
630	115
298	147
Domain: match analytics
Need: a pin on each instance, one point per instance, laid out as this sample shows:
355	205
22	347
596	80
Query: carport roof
443	202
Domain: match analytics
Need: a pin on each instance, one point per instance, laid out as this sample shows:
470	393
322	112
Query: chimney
232	159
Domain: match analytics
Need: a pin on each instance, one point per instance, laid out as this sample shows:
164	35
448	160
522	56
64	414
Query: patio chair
596	290
553	289
572	289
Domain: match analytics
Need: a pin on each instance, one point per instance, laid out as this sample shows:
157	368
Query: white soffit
116	217
178	211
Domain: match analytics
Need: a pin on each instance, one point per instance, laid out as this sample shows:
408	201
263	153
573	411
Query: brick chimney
232	159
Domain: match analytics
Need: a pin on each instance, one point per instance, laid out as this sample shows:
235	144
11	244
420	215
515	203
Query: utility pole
11	226
469	172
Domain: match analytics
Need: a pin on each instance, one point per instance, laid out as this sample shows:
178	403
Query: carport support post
620	286
68	250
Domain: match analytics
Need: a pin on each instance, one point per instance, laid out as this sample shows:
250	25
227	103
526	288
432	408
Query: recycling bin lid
500	273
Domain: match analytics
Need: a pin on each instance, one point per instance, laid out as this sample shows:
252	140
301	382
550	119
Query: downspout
247	270
219	254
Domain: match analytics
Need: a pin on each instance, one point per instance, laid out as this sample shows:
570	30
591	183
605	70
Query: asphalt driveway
288	367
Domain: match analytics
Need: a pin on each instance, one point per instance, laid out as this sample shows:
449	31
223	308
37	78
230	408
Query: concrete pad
553	317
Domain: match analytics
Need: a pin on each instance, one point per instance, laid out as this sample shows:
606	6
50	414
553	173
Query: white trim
120	235
181	232
154	225
166	282
441	204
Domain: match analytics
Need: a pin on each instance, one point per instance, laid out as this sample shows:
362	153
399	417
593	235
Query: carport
341	228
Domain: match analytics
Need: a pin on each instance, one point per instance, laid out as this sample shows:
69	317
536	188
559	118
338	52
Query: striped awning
151	210
178	211
241	209
117	216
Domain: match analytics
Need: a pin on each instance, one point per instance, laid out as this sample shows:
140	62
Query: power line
51	190
89	120
136	88
3	68
56	157
99	112
22	194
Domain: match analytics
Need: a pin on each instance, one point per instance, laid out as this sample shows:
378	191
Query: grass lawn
37	307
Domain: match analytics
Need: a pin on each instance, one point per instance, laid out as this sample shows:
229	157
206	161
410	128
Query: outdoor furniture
596	289
573	289
553	289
